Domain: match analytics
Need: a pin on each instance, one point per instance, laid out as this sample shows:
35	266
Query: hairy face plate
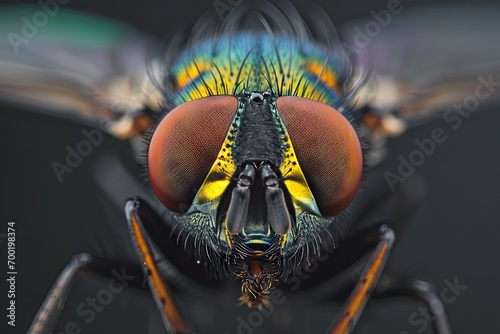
262	174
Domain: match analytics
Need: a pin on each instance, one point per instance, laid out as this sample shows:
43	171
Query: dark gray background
455	233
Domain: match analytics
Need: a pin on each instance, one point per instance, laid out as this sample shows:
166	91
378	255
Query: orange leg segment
355	305
161	293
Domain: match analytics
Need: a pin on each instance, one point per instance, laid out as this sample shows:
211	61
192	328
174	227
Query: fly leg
424	292
142	218
355	304
397	209
50	311
142	222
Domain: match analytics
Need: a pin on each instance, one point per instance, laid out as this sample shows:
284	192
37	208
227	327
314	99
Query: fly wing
79	67
424	61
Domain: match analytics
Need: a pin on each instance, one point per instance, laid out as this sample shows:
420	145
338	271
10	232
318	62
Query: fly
260	132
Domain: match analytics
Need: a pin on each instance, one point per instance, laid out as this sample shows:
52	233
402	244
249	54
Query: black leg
339	269
48	315
421	291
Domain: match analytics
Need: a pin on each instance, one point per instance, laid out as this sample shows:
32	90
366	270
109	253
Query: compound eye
327	148
184	147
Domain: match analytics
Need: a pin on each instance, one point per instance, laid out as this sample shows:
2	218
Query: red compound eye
185	145
327	148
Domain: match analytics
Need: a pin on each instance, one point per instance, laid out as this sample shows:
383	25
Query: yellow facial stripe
295	181
213	187
219	176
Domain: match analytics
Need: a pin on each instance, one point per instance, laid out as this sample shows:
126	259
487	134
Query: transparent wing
78	66
423	62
